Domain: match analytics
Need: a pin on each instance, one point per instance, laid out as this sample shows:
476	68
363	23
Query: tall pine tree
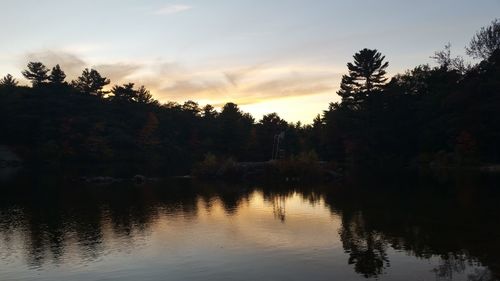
366	75
57	75
36	73
91	82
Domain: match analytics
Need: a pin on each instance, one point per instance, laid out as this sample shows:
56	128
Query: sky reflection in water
190	231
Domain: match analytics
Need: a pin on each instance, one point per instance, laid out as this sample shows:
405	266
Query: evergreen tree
144	96
125	93
209	112
191	107
234	129
57	75
366	74
268	128
36	73
8	81
91	82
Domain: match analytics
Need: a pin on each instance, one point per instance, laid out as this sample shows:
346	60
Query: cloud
236	76
293	84
192	89
172	9
70	63
73	65
246	86
257	85
85	47
118	72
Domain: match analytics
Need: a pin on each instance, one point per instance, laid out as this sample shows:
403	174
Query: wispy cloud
172	9
248	85
258	87
118	72
71	63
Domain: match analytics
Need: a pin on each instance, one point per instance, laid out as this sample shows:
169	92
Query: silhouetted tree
485	42
57	75
366	74
274	122
268	127
447	62
412	82
192	107
426	115
125	93
8	81
234	129
147	138
144	96
91	82
36	73
209	112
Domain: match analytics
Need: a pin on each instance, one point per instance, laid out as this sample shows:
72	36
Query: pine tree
57	76
144	96
191	107
366	75
91	82
209	112
36	73
125	93
8	81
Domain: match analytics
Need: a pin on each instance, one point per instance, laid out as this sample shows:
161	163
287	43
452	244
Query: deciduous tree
485	42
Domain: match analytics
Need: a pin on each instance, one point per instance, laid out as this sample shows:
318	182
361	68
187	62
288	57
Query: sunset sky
283	56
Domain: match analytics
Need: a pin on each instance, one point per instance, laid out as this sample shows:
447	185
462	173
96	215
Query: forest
445	115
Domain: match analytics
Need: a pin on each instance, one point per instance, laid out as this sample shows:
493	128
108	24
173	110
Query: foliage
218	168
485	42
304	167
447	62
426	111
57	76
366	75
207	168
8	81
443	116
91	83
36	73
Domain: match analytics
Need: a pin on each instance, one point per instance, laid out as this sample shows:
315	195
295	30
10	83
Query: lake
397	229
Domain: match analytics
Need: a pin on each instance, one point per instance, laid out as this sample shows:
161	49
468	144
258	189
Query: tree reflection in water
455	223
367	249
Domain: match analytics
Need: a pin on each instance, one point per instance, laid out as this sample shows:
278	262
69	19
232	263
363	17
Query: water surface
183	230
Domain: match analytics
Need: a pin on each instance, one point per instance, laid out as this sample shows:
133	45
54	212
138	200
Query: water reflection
189	230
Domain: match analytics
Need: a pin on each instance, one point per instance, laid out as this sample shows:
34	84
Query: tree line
443	115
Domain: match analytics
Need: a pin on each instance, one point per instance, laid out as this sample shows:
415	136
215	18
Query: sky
283	56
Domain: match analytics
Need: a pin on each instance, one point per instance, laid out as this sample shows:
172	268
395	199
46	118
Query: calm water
56	230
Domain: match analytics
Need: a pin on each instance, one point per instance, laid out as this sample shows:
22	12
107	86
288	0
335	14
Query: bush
207	168
305	166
